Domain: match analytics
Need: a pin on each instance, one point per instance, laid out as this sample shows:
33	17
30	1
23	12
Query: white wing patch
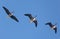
32	20
53	27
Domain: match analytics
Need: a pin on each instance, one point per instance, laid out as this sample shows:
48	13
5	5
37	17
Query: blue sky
46	10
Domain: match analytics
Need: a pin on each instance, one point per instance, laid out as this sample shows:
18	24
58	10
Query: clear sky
46	10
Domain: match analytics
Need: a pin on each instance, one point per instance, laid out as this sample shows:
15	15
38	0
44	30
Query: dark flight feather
13	17
55	30
29	15
50	24
6	10
35	22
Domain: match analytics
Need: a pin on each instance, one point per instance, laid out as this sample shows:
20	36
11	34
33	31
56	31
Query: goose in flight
10	14
53	27
32	19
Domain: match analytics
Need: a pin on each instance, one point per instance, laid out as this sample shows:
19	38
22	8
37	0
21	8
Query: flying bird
32	19
53	27
10	14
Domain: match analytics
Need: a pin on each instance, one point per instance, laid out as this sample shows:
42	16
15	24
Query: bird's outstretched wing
29	15
50	24
35	22
13	17
55	30
7	11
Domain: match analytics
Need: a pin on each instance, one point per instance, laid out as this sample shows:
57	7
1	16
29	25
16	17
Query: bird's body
10	14
32	19
53	27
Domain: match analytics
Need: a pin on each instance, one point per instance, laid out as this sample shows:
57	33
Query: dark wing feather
55	30
50	24
7	11
35	22
13	17
29	15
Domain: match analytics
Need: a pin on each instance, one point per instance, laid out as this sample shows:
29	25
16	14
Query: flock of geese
32	19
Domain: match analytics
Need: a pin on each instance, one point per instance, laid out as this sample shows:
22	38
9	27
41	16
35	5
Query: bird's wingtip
55	30
3	6
24	14
45	23
36	25
17	20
